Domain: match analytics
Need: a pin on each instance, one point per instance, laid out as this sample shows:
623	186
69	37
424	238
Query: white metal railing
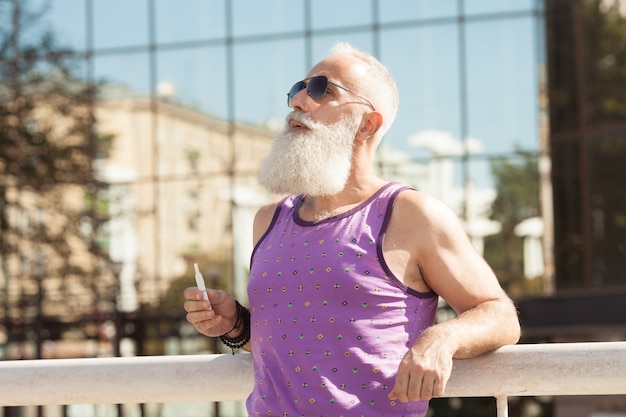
520	370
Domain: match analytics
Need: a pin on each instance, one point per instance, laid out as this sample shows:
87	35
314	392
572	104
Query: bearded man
348	268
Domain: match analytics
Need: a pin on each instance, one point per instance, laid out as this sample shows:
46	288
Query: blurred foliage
605	61
168	317
517	187
217	273
48	189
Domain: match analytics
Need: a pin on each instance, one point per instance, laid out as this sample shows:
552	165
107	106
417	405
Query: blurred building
181	183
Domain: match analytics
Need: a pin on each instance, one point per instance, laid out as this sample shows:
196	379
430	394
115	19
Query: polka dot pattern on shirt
329	323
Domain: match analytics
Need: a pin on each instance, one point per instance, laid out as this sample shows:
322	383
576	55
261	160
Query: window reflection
263	74
344	14
323	44
585	41
404	10
428	81
193	92
251	17
497	6
123	74
120	23
194	78
607	202
67	21
502	93
202	20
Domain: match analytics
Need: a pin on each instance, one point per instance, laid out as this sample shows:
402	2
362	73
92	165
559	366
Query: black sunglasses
316	87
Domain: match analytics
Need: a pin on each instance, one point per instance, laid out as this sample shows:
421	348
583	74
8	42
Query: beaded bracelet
243	318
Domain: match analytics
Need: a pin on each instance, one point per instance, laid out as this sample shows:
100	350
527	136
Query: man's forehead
340	68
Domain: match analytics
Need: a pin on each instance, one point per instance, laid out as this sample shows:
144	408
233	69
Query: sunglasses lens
317	86
300	85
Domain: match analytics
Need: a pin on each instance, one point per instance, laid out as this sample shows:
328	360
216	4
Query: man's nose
301	101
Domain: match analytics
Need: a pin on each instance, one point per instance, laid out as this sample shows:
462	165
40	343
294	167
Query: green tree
517	187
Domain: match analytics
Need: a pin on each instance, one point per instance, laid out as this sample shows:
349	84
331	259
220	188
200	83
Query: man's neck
317	208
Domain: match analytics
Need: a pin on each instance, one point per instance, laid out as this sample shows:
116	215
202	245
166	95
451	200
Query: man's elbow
513	328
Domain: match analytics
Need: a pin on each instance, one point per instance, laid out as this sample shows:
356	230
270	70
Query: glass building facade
586	54
587	124
470	75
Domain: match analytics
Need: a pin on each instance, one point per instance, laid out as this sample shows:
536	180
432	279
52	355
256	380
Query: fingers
192	293
425	390
206	322
199	311
197	306
203	317
211	317
400	388
194	301
416	388
414	383
438	388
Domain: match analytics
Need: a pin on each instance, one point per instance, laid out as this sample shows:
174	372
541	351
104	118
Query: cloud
440	142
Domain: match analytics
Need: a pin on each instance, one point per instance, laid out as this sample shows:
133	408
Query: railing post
502	406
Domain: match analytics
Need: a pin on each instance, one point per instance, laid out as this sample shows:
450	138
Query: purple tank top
330	322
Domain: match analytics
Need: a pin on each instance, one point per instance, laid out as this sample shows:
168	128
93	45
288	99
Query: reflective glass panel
445	180
502	84
263	74
77	68
67	20
252	17
119	23
607	153
189	21
5	17
194	78
497	6
123	75
478	194
344	13
401	10
426	70
323	44
64	20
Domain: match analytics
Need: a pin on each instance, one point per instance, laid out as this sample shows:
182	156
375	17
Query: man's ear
372	122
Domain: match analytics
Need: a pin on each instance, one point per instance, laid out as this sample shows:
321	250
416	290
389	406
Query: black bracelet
243	319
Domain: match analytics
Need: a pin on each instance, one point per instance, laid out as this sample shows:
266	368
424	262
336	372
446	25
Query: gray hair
379	81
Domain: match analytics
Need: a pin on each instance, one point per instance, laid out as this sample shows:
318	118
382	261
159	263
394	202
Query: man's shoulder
418	206
267	211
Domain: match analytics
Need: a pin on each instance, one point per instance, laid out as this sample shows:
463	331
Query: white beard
314	162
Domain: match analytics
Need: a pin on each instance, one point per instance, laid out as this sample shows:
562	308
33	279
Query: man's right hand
214	317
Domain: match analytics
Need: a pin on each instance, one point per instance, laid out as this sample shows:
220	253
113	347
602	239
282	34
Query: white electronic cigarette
200	282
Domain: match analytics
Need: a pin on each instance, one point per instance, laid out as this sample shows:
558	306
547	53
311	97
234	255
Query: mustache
301	118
